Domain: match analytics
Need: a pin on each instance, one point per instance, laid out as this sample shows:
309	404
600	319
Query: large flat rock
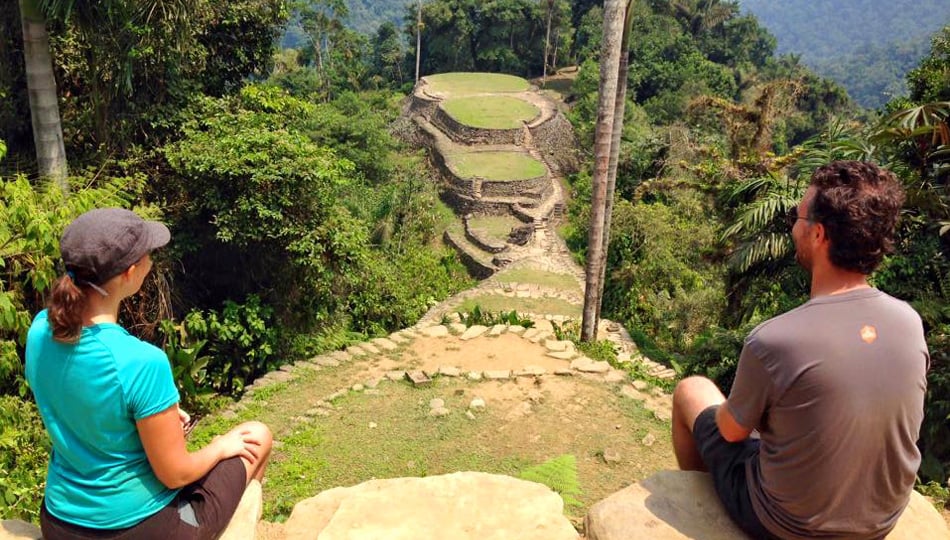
678	505
460	506
13	529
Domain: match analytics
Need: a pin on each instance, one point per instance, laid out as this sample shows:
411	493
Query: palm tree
619	110
41	87
700	16
603	136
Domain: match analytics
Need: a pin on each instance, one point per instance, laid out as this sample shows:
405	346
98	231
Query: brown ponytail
66	304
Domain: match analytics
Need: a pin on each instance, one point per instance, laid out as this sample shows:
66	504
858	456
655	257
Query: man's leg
691	397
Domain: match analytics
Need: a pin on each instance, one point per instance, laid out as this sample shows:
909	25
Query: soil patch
506	351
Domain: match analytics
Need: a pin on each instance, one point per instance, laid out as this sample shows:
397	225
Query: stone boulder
12	529
460	506
679	505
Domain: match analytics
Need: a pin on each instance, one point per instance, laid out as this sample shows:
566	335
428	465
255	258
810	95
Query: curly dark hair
858	203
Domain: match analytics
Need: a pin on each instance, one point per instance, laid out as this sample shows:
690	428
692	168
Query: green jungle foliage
299	224
506	37
868	46
127	74
24	452
875	75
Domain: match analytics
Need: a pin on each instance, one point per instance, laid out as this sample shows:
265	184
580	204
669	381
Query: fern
559	474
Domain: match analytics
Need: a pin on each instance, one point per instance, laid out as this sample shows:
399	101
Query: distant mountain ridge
866	45
818	29
366	15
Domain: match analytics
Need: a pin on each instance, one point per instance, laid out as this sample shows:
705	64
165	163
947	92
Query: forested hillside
367	15
866	45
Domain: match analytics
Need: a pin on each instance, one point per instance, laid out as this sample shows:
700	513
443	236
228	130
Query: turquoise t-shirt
90	394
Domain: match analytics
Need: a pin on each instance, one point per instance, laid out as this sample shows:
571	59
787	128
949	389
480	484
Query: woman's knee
260	433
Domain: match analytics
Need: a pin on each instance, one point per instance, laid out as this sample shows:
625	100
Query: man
834	387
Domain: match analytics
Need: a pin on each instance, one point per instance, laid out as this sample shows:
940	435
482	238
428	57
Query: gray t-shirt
836	389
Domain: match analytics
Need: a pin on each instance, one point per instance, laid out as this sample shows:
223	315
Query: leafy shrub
715	355
24	456
476	316
240	342
187	363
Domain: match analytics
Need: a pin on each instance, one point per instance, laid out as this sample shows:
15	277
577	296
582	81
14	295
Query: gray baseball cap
105	242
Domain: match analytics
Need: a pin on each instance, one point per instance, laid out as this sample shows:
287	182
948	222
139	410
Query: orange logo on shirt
868	333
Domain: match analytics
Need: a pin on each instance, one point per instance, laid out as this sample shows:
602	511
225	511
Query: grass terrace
496	302
474	83
497	166
538	277
496	226
491	112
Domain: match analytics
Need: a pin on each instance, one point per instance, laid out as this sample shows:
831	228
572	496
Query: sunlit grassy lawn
471	83
496	226
497	302
538	277
496	165
490	112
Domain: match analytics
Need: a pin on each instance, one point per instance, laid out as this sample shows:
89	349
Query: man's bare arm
731	430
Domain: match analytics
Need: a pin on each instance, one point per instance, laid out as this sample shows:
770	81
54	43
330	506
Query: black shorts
200	511
726	462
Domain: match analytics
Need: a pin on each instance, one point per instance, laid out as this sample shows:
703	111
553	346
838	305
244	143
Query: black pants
200	511
726	462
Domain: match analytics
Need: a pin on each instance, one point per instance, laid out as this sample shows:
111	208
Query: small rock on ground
436	331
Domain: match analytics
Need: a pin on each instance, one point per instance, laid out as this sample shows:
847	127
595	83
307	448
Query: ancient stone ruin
534	202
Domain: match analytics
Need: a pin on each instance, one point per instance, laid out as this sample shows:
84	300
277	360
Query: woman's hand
238	442
183	417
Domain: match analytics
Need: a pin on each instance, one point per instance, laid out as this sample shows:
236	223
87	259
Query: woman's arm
164	443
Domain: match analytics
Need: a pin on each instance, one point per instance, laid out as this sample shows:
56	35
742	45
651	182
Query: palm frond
770	247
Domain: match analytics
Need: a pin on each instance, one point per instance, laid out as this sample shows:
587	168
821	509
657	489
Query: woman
119	466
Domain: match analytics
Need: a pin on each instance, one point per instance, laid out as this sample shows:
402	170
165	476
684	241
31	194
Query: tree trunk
619	110
41	86
603	134
418	38
547	44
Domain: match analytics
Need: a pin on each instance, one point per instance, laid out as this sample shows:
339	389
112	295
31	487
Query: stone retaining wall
421	105
534	188
556	141
466	204
477	268
468	135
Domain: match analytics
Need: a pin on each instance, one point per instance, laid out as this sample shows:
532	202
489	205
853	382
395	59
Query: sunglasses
791	216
